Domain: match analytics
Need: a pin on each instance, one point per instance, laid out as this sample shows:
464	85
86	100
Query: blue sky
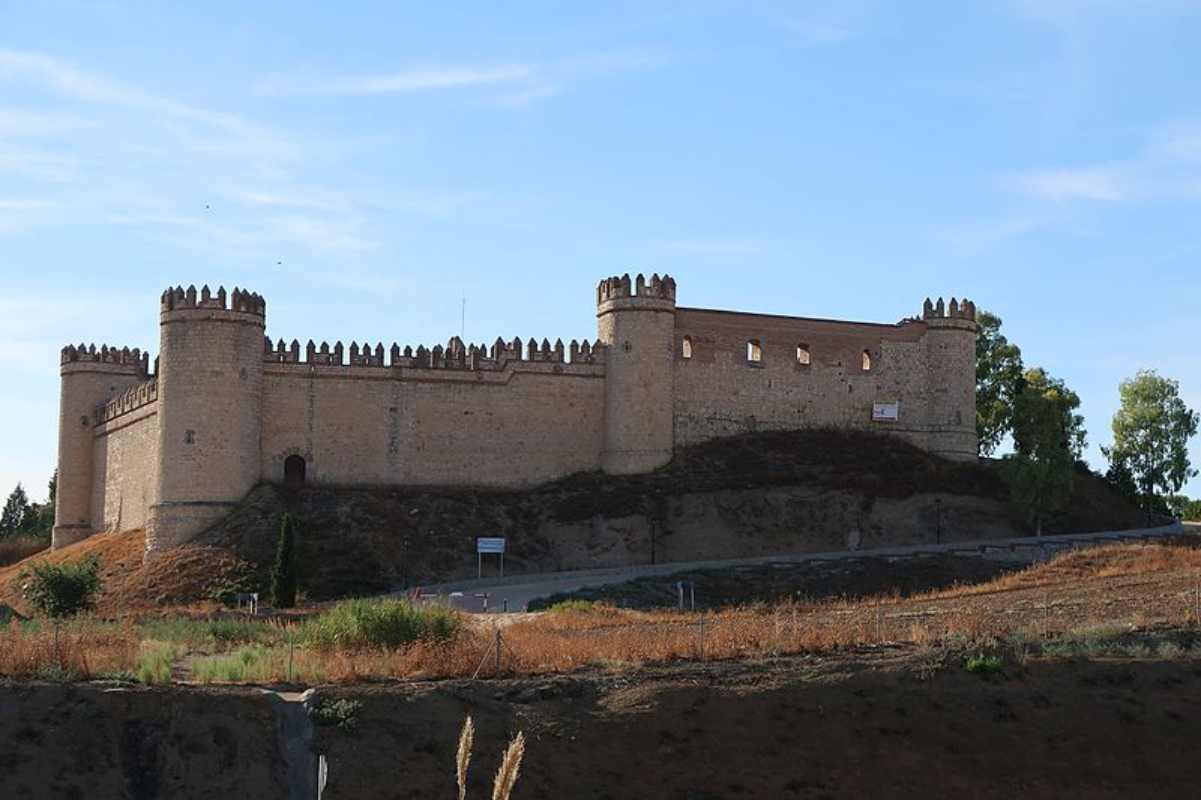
366	168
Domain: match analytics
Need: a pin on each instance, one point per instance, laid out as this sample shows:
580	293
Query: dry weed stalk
463	759
506	776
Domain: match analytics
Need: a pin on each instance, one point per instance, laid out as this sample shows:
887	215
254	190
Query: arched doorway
294	467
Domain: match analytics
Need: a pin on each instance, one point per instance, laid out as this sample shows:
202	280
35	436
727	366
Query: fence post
702	637
879	622
497	670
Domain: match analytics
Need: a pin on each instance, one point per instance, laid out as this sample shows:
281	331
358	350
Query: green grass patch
215	633
363	624
155	665
251	664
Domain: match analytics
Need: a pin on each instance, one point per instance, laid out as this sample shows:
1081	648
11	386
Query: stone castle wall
125	459
227	408
720	391
526	423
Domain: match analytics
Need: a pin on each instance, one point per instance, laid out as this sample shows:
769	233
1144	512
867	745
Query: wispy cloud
1167	167
205	180
203	123
815	33
26	123
1104	182
509	83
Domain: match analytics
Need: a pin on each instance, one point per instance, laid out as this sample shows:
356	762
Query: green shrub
579	606
61	590
283	572
219	632
339	713
984	665
359	624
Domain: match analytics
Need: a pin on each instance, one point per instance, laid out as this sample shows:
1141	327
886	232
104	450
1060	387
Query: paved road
513	593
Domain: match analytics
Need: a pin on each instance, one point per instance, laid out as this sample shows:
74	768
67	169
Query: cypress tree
283	572
16	509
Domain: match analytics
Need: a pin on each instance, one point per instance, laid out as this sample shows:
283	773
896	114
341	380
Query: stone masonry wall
125	470
527	423
719	392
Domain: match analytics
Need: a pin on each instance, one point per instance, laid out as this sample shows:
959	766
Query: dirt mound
757	494
187	575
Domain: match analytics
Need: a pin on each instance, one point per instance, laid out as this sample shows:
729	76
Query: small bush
359	624
339	713
984	665
577	606
62	590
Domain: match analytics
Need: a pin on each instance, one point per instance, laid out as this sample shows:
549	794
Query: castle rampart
227	407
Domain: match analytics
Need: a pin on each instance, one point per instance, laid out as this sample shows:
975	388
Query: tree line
1148	460
20	517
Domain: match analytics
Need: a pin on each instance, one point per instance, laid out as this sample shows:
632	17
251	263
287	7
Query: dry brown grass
81	649
1106	561
1139	585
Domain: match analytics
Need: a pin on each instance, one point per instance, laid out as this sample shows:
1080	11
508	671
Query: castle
174	450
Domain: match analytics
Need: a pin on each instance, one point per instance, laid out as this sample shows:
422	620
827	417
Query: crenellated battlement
130	400
965	310
120	357
616	288
454	355
178	298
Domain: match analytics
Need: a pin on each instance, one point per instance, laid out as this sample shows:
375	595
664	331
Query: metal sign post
486	544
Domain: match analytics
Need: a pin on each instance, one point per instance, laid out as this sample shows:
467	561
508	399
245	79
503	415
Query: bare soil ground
874	722
190	575
1093	690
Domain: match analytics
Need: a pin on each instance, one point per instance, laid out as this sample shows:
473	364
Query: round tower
210	384
636	322
90	378
951	383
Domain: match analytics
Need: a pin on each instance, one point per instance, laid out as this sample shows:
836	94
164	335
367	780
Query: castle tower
951	366
637	324
210	384
90	377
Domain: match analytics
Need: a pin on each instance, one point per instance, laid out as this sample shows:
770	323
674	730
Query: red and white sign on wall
886	412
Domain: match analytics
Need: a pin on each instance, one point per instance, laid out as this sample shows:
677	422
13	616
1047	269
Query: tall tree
998	375
1151	431
16	508
1048	438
